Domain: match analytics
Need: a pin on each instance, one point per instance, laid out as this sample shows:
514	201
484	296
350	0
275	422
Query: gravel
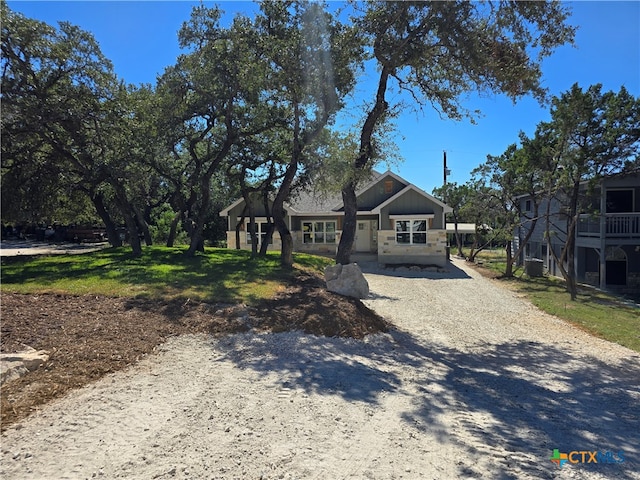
474	382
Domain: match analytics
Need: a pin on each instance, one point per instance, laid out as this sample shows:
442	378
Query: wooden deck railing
618	225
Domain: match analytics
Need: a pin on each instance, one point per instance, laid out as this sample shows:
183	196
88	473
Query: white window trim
410	232
258	221
324	232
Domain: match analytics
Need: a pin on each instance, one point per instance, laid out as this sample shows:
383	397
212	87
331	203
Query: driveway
474	382
12	248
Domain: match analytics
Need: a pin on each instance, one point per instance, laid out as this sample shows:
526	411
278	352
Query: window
412	231
319	232
527	206
261	230
388	186
619	201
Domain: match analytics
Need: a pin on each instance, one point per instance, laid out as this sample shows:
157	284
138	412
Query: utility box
534	267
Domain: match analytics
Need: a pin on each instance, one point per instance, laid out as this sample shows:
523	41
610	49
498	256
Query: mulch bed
90	336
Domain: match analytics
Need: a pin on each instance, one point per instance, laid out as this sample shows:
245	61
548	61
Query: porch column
603	238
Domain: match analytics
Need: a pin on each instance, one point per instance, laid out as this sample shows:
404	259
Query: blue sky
140	38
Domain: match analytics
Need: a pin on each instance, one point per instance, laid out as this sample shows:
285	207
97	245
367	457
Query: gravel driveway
474	382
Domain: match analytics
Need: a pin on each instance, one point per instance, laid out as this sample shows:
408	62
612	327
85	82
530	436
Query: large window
319	232
619	201
410	232
261	230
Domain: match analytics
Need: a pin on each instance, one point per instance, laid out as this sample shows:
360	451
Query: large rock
346	280
14	365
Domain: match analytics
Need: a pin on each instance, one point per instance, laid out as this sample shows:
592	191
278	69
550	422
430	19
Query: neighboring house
397	221
465	230
607	249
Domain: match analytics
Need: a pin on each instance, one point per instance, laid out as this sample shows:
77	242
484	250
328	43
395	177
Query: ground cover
220	275
101	312
605	315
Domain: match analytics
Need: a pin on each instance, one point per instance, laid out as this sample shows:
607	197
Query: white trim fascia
446	208
320	214
225	212
374	182
416	216
289	209
332	213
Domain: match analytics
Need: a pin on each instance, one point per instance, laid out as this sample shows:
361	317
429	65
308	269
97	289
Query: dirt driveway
474	382
12	248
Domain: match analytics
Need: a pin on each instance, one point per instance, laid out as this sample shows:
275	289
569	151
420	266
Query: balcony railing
618	225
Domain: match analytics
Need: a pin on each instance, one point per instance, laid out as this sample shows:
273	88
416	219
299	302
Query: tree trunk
268	236
143	227
527	237
238	225
508	271
112	232
349	199
572	285
286	251
197	236
347	238
253	233
567	253
197	226
173	229
457	236
268	239
197	239
134	235
128	214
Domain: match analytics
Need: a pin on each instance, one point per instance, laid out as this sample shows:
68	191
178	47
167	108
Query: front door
363	236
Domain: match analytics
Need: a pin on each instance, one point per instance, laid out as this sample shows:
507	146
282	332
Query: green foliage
598	313
161	227
596	133
218	275
53	83
439	51
71	128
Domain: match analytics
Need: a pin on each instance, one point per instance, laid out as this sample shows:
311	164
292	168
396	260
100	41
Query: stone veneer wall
231	241
298	246
434	252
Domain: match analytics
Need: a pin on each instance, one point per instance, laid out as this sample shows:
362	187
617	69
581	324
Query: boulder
14	365
346	280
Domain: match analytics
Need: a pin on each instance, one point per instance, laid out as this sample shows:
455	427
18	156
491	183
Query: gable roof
372	183
408	188
309	202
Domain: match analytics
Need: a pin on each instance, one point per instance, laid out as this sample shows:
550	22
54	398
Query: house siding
377	194
412	203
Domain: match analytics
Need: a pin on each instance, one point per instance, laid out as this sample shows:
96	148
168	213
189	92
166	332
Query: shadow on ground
511	403
451	271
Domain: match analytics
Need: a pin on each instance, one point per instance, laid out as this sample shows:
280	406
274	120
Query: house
607	246
397	222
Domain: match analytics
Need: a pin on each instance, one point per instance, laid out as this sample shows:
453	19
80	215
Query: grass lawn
218	275
599	313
